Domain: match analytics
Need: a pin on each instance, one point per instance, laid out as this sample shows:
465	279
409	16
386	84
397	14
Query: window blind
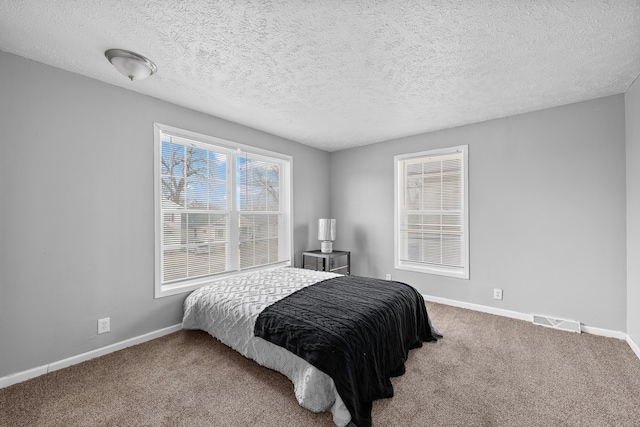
219	210
431	212
195	217
258	191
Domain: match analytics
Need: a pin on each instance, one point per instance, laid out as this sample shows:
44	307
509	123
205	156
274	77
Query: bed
250	314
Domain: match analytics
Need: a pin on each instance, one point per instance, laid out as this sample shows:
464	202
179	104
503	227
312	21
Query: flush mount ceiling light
130	64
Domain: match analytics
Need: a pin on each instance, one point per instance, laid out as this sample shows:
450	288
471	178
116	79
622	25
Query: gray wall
632	122
76	210
547	212
547	202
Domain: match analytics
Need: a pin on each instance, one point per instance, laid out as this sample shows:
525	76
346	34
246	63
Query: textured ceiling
339	74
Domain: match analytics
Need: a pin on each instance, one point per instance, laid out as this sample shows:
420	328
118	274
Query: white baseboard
478	307
22	376
603	332
633	346
41	370
522	316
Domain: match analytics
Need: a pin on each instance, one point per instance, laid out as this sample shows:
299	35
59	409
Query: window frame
399	193
234	150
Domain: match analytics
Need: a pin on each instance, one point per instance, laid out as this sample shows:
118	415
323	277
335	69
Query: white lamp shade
326	229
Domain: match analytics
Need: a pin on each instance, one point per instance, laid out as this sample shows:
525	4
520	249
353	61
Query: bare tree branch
174	184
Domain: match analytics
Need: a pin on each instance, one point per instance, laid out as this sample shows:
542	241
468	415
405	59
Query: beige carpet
487	371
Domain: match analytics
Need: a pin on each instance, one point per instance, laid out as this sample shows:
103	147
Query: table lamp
326	234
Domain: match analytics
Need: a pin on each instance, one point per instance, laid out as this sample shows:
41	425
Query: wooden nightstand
333	261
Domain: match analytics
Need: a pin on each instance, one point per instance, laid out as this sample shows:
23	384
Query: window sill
439	271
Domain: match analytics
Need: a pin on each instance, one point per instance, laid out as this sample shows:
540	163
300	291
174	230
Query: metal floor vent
550	322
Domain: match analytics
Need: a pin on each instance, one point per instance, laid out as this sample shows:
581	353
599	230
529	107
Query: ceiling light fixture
130	64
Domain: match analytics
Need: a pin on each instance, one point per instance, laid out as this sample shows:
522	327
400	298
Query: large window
221	208
431	220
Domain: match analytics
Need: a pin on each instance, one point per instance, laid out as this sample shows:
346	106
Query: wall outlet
388	277
104	325
497	294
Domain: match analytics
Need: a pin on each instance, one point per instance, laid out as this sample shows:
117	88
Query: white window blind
195	218
219	210
259	205
431	212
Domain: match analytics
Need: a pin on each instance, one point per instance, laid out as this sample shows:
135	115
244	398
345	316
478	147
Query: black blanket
357	330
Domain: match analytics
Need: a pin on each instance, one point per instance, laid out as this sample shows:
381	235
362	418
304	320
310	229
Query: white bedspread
227	309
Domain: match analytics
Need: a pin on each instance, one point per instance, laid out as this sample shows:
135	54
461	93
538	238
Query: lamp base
326	246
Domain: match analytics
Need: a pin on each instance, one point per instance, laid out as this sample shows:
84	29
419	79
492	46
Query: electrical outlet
104	325
497	294
388	277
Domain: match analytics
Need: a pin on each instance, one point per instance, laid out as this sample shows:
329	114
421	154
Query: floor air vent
550	322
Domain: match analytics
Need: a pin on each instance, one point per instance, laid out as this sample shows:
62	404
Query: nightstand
336	261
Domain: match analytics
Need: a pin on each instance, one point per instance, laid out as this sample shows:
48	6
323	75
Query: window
431	220
221	208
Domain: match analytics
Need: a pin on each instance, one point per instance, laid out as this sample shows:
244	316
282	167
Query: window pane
218	258
273	250
274	225
414	247
431	192
172	192
259	239
452	250
246	255
217	181
197	194
413	186
219	226
258	185
251	194
196	163
172	232
241	190
198	228
174	262
218	235
172	159
273	188
246	227
218	195
452	184
262	252
261	224
198	261
431	248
